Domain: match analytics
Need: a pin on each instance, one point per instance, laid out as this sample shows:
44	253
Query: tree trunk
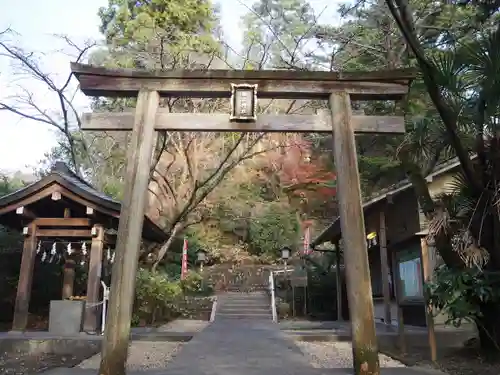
489	328
164	248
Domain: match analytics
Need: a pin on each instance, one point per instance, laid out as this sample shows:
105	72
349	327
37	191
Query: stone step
244	298
225	309
242	312
243	316
244	302
245	305
245	295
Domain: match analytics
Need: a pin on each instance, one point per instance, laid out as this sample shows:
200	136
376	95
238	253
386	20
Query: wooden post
429	316
23	295
338	281
116	341
398	292
92	310
68	278
359	289
384	265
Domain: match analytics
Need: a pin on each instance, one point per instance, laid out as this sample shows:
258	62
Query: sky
23	143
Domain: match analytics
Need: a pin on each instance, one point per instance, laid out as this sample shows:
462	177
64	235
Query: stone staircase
243	305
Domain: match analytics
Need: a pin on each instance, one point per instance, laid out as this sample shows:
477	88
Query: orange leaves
301	175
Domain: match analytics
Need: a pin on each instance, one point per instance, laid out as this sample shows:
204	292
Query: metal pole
105	297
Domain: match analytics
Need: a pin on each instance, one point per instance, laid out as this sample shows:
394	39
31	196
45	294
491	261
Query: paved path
231	346
246	347
251	347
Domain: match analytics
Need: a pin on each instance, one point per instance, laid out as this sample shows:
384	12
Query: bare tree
28	65
187	168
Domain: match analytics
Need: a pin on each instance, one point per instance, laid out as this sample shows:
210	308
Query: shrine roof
79	191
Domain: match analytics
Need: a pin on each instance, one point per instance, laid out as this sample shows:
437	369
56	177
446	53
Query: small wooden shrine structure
63	207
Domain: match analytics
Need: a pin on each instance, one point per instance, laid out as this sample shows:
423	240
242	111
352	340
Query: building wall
402	217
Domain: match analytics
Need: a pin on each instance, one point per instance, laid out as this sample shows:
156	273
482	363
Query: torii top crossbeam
285	84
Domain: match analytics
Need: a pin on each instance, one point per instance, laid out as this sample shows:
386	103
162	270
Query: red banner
184	266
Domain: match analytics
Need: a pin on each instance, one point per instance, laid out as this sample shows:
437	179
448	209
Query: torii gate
244	88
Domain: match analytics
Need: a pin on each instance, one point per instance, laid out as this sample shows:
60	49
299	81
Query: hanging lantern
69	249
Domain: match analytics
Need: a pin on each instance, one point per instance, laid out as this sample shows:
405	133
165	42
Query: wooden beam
69	274
359	290
429	316
92	310
64	192
384	266
62	222
219	122
64	233
391	75
389	85
25	212
23	295
140	152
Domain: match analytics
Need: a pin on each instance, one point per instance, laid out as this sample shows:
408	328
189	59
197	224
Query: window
410	273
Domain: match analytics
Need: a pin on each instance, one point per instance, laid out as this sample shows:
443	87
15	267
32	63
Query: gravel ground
19	364
148	355
142	356
336	355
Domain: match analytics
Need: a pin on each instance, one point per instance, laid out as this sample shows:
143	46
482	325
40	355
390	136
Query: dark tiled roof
64	176
62	170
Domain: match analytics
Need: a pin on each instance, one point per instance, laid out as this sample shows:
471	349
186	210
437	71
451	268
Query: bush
194	284
283	310
156	298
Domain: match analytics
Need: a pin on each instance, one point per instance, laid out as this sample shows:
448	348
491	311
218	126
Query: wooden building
395	227
63	207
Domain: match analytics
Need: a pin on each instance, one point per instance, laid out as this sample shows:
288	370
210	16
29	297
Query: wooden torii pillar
242	87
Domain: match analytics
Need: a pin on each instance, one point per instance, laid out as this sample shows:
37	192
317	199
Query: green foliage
273	227
180	25
9	239
10	184
159	298
277	33
460	293
194	284
156	298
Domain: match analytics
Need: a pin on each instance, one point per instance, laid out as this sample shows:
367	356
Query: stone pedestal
66	317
